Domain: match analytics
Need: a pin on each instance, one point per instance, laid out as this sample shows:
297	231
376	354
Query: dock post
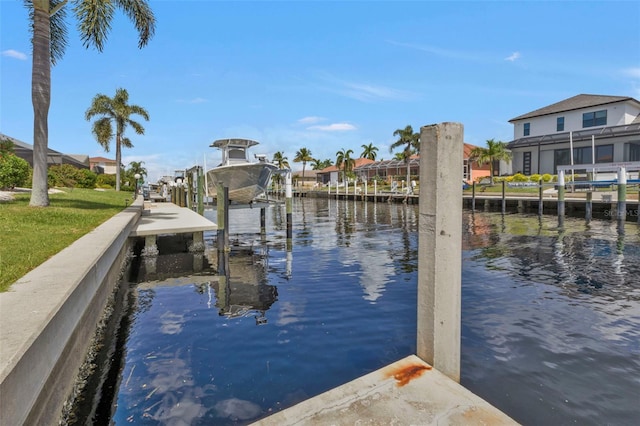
289	206
473	196
440	248
375	190
622	194
540	201
504	201
200	191
560	187
263	220
222	206
588	207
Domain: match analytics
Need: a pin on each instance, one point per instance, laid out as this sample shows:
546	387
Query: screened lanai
389	170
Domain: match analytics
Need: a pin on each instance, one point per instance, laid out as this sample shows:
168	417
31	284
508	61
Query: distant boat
246	180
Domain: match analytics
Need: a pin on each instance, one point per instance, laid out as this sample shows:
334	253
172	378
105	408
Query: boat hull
245	181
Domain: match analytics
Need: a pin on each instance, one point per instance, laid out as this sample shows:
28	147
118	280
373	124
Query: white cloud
632	72
335	127
310	120
514	56
14	54
366	92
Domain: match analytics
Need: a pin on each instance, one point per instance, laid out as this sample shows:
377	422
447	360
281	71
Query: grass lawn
31	235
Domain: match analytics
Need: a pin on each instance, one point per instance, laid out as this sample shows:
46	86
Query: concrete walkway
168	218
407	392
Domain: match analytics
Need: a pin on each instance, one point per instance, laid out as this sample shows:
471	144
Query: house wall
617	114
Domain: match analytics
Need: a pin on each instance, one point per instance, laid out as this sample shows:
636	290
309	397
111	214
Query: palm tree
317	164
281	162
344	160
411	143
47	19
135	167
302	156
369	151
116	110
495	151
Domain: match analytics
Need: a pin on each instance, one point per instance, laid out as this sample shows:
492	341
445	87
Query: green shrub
14	171
519	177
106	181
547	177
87	179
535	178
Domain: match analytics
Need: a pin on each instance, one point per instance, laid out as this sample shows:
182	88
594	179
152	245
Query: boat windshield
237	154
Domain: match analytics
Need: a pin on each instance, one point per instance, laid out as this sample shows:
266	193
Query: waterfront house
597	128
390	170
25	151
101	165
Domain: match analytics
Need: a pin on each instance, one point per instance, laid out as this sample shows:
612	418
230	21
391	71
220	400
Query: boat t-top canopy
233	142
234	151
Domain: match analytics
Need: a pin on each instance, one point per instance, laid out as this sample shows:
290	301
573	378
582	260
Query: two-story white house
600	129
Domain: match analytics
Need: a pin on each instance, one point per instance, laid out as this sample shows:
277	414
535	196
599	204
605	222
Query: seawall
49	316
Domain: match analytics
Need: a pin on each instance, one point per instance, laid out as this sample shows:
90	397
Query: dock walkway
168	218
407	392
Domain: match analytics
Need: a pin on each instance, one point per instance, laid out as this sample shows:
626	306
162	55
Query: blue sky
324	75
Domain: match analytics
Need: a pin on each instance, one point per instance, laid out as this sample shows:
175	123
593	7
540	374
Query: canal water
550	316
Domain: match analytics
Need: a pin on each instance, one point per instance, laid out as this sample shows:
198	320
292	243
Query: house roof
101	160
25	151
576	102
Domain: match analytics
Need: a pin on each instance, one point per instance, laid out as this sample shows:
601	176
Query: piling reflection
243	289
579	258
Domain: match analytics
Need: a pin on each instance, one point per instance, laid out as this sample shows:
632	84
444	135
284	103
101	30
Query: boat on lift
245	179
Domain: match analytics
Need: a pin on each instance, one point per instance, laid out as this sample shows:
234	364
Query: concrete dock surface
168	218
407	392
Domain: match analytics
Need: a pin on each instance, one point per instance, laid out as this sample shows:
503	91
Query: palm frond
94	21
142	17
103	132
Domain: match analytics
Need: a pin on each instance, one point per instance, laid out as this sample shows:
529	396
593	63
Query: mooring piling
439	248
289	205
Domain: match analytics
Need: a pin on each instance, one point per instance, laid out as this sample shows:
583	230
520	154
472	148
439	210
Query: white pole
571	153
593	155
206	185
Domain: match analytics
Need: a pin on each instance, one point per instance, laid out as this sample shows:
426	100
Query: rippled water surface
550	320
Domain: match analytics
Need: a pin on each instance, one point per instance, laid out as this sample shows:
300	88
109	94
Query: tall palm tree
281	162
303	156
344	161
47	19
495	151
411	143
115	110
369	151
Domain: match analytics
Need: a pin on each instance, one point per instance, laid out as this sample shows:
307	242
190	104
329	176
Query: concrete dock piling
439	248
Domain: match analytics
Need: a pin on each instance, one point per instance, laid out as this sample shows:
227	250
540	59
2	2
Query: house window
527	129
634	151
604	154
595	118
582	155
561	157
466	175
560	124
526	163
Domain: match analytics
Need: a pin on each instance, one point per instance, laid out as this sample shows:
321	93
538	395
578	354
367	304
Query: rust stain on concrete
405	373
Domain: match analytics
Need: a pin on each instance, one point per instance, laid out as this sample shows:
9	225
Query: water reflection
547	312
